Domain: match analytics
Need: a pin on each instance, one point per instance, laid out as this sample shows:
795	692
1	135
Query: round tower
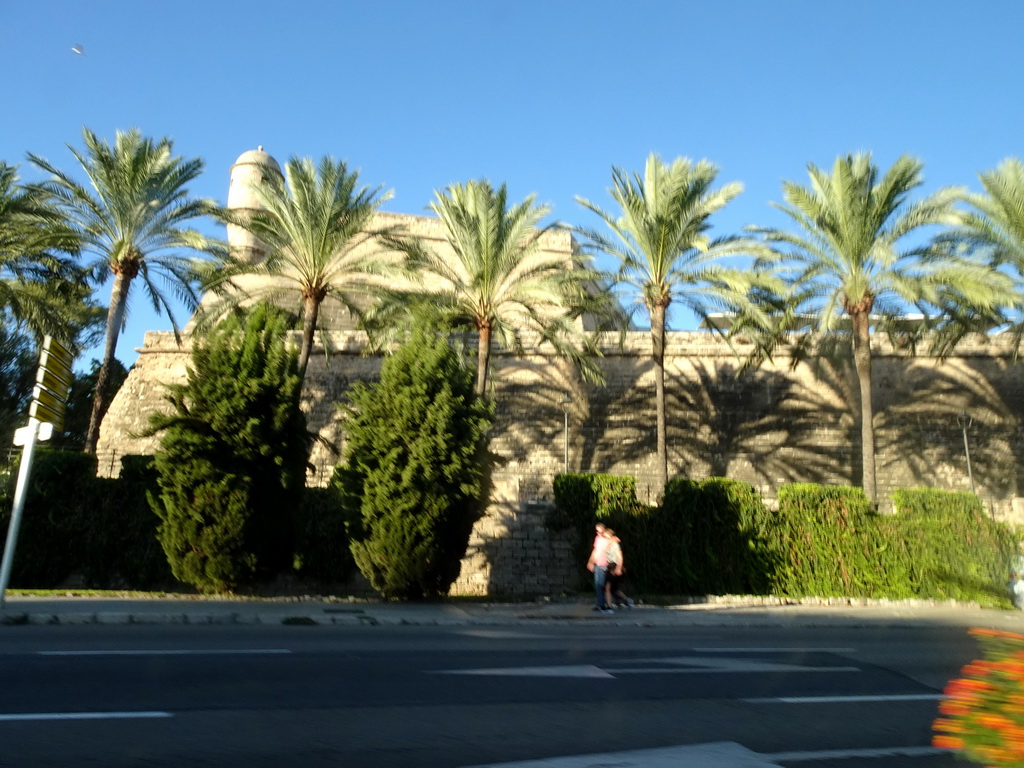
249	170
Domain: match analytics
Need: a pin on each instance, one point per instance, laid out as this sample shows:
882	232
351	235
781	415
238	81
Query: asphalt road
419	696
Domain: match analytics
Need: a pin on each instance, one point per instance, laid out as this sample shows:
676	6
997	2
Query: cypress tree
233	456
414	476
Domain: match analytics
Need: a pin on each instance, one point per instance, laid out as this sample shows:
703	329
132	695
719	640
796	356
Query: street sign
41	412
56	360
51	400
53	383
52	380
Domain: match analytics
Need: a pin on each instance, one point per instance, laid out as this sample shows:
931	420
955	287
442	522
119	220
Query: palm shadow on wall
762	426
919	434
531	417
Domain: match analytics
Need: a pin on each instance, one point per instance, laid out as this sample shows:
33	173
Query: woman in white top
616	568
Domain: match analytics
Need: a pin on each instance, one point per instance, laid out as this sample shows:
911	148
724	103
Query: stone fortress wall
769	426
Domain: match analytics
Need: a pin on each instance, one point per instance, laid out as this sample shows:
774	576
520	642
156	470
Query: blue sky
546	96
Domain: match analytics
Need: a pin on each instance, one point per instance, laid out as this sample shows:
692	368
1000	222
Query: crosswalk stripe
846	699
720	754
169	652
24	716
850	754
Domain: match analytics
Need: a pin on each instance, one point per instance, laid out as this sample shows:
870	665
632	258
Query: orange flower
947	742
984	632
954	708
950	726
994	722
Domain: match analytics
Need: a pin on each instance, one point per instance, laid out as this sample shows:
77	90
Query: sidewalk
735	612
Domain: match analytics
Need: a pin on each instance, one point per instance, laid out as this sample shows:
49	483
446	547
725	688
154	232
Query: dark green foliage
703	539
96	531
127	551
322	554
938	545
59	503
582	498
954	550
232	459
724	525
827	542
717	537
18	362
415	473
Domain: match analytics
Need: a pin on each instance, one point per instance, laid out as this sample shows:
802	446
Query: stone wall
769	426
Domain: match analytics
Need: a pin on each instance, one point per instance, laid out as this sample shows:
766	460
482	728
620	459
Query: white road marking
774	650
846	699
577	670
716	664
848	754
704	671
720	754
81	716
167	652
675	665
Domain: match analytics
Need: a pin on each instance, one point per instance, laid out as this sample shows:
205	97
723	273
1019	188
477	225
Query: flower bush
982	715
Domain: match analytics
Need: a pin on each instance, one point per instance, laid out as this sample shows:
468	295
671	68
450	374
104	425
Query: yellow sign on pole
53	383
46	414
57	360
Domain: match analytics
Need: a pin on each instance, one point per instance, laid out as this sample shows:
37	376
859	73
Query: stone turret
249	170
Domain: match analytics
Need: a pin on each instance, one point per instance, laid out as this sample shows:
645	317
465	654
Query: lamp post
965	421
566	402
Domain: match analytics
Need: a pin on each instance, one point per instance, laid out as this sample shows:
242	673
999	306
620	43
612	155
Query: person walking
613	594
598	565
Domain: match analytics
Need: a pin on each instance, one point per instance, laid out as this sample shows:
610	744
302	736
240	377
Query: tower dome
250	169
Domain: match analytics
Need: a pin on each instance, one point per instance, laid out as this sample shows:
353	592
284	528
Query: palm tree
316	227
40	286
659	237
992	228
131	218
844	262
499	281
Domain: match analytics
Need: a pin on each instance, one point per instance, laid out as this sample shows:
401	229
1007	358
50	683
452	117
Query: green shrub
827	543
705	538
57	519
415	473
322	554
938	545
96	531
583	499
954	551
232	458
126	551
723	526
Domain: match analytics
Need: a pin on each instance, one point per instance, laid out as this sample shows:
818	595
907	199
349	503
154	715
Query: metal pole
967	453
565	441
964	423
19	504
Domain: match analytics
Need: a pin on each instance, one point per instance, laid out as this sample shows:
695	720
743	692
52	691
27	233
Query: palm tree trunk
862	362
483	359
115	315
310	313
658	353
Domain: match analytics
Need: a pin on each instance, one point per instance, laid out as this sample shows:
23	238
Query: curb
196	619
